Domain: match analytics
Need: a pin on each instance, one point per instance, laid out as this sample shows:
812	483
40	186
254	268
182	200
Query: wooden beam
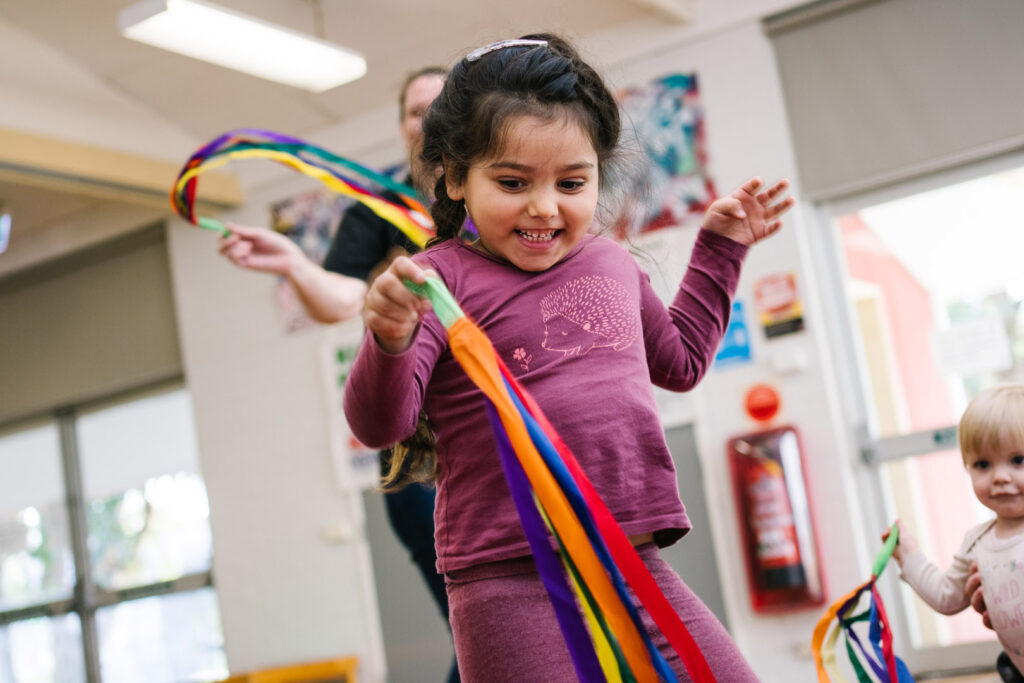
678	10
105	173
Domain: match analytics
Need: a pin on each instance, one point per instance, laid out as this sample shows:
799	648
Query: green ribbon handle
885	553
214	225
444	303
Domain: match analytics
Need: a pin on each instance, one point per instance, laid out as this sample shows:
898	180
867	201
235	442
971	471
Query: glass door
932	283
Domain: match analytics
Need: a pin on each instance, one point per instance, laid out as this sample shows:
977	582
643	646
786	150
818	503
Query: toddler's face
536	199
997	476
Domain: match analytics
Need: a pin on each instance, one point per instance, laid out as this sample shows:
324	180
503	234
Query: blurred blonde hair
992	421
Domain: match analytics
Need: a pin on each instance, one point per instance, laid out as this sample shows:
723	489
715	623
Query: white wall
290	589
748	135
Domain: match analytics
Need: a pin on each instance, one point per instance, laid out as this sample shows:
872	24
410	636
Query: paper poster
778	304
974	346
355	465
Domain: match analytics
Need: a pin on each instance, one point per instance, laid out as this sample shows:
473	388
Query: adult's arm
327	297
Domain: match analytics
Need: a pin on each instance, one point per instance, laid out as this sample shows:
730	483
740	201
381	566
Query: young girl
991	437
524	130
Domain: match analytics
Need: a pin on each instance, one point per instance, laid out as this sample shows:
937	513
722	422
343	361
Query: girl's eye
511	183
571	185
1017	459
980	464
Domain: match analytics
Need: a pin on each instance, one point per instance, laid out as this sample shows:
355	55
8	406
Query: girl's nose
543	204
1001	474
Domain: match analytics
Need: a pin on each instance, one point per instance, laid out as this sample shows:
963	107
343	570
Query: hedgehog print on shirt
592	311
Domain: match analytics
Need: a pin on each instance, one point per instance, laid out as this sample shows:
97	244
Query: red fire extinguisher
772	504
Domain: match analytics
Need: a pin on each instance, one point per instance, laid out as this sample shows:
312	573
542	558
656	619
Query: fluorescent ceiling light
240	42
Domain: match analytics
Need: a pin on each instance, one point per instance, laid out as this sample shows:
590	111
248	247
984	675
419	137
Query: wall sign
778	304
735	347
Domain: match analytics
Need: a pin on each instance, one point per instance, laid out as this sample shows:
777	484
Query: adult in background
363	245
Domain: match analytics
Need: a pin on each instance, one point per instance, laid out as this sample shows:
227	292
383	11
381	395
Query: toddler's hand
905	546
748	215
391	311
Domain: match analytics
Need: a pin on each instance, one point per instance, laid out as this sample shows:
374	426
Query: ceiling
395	36
191	101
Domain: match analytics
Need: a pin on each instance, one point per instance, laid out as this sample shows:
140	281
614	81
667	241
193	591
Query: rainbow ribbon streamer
410	216
884	664
596	561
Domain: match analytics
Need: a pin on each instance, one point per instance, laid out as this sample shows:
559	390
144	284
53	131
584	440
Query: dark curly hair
470	119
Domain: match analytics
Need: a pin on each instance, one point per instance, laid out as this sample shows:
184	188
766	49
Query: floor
972	678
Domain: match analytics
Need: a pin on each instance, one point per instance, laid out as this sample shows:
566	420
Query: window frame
87	597
872	450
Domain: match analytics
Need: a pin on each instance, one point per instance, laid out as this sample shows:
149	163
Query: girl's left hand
749	215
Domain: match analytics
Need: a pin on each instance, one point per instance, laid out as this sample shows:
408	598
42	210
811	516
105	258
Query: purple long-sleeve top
587	338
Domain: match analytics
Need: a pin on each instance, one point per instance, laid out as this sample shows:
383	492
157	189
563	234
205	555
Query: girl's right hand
392	312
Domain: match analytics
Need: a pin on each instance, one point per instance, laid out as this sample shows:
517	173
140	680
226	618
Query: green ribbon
885	553
444	303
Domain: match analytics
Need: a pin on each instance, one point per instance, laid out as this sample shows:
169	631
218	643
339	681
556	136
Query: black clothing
1007	671
363	240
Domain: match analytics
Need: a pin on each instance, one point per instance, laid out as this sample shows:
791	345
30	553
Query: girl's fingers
752	186
776	210
731	206
404	268
773	192
778	187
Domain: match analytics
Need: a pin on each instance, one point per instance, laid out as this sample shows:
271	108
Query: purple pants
505	628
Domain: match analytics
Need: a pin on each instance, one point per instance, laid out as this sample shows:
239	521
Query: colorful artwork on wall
665	121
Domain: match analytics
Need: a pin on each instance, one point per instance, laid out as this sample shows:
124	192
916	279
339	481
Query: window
934	295
105	547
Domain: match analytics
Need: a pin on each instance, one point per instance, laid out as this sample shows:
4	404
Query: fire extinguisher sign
778	304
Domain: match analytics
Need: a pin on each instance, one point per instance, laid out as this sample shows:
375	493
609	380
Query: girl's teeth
537	236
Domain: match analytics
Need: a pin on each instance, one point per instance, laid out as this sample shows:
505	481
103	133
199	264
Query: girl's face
997	476
535	200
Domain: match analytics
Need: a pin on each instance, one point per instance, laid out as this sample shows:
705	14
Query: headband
502	44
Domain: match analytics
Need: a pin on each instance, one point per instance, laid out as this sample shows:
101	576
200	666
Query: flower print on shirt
590	312
523	358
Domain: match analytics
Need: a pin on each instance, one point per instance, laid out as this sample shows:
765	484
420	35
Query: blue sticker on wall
735	347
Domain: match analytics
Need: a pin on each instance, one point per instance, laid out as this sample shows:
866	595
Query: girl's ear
454	189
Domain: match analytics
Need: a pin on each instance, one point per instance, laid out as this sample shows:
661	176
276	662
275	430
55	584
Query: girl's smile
535	200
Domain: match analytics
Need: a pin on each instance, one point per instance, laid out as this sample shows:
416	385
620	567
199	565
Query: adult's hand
974	589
